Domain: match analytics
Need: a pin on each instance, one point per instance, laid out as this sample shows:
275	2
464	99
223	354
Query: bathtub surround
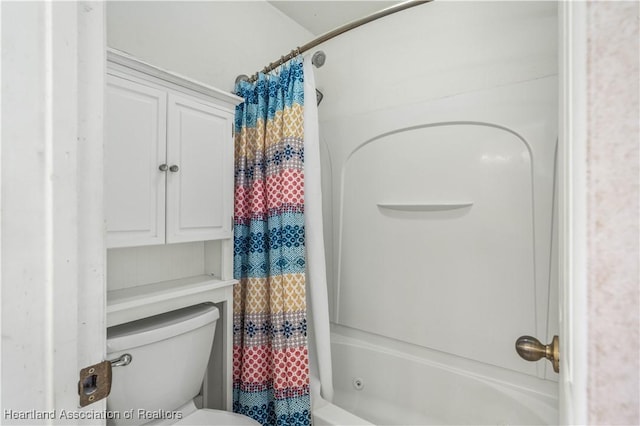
270	355
452	202
412	279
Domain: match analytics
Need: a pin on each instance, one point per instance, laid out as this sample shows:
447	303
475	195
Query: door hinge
95	383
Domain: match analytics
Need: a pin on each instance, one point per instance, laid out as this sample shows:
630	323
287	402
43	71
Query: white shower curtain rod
340	30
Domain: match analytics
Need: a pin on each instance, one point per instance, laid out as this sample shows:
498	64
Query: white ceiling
322	16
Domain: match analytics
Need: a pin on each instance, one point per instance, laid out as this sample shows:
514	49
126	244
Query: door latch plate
95	383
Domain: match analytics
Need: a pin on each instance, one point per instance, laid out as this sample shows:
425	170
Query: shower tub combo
440	234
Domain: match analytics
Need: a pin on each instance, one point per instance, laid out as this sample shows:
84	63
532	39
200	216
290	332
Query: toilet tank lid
160	327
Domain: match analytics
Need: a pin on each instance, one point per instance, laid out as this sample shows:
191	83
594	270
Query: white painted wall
209	41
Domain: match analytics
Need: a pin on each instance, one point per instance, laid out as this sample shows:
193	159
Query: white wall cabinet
168	157
169	179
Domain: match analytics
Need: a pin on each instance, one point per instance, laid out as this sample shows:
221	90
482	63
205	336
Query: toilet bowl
169	357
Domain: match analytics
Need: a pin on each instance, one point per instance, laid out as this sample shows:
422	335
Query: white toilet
169	357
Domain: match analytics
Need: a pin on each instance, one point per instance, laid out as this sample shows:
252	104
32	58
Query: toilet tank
170	353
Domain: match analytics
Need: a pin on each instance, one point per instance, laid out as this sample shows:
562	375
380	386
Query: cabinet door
199	192
135	147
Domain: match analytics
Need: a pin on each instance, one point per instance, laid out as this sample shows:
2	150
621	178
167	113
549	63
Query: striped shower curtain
270	354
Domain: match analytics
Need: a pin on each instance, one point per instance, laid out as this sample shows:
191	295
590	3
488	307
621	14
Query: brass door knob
531	349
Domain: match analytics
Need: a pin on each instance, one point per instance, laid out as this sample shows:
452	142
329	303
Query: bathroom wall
433	52
210	41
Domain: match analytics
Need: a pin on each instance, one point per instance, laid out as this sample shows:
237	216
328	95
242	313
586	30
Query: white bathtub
401	389
327	414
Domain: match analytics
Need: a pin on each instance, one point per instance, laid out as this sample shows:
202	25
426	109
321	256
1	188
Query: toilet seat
206	416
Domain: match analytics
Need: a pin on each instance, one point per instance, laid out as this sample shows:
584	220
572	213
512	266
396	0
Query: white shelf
143	301
424	207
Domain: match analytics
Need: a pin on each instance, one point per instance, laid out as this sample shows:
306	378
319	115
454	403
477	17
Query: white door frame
52	242
572	160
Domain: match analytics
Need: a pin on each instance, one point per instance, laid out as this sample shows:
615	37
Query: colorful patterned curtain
270	354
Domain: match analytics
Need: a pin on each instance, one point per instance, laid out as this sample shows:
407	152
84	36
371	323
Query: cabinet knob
174	168
163	167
